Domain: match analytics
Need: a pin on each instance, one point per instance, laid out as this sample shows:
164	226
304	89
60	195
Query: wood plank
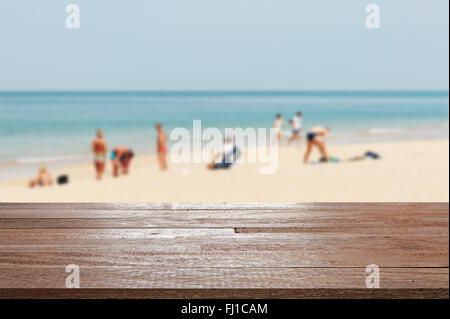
71	208
223	278
222	222
408	230
70	236
220	219
311	254
228	206
224	293
220	235
65	216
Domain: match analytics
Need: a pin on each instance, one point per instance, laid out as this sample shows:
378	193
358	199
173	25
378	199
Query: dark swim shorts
311	136
222	165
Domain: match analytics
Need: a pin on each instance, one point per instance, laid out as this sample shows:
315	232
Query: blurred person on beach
229	155
42	179
161	148
296	124
121	157
99	149
277	124
317	137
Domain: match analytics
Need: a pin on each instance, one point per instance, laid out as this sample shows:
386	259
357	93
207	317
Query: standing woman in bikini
161	147
99	149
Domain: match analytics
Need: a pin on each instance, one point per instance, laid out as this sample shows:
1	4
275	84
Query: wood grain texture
224	293
224	250
225	278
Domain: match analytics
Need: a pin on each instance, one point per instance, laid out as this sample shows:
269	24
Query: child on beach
316	137
42	179
161	148
277	124
121	157
99	148
296	123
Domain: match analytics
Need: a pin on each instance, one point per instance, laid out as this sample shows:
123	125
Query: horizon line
271	91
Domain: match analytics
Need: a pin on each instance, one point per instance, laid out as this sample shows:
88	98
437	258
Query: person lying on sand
316	137
99	148
369	155
42	179
161	148
121	157
230	154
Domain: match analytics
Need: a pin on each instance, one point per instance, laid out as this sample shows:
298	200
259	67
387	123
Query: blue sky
224	45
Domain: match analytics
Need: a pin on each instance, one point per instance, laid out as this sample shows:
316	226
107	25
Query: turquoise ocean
56	128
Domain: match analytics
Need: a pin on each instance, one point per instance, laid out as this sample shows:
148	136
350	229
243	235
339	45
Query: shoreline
23	168
408	171
339	136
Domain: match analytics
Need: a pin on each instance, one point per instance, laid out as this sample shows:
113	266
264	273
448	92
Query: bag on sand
63	179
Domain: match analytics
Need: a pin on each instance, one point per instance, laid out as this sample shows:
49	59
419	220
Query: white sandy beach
408	172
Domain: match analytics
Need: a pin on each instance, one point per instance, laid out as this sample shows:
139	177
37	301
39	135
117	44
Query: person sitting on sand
121	157
161	148
99	148
296	124
229	154
42	179
316	137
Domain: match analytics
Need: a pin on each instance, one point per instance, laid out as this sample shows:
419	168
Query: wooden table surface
224	250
